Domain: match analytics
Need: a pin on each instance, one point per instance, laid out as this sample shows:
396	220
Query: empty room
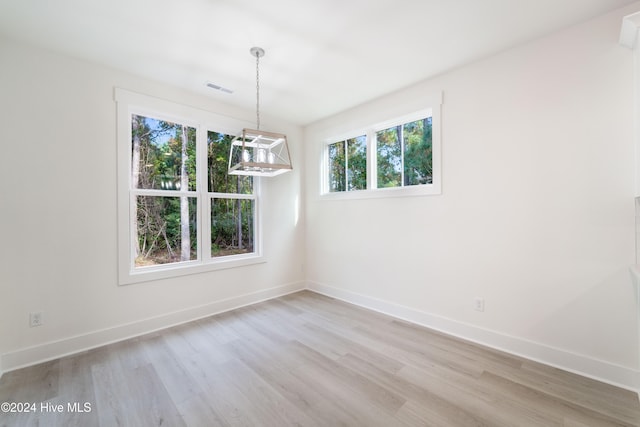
320	213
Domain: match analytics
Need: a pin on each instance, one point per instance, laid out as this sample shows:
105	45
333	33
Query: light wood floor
308	360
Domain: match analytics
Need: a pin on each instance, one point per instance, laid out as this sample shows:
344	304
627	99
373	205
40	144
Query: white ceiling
322	56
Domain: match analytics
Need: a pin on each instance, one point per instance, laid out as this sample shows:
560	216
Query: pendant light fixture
256	152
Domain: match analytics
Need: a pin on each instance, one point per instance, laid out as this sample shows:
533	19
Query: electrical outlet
479	304
35	319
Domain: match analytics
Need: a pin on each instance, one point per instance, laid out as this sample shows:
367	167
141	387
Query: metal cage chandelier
255	152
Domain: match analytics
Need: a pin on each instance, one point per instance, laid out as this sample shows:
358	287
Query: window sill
147	274
413	191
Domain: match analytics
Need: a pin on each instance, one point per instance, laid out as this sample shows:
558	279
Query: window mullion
346	165
401	142
163	193
234	195
204	206
372	160
257	217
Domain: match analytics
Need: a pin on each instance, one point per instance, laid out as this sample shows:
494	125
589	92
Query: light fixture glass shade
259	153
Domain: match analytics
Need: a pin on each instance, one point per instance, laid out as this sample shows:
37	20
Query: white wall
536	214
58	215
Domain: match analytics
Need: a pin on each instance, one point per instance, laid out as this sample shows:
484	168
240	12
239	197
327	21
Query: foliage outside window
405	154
231	201
179	210
402	153
348	164
163	181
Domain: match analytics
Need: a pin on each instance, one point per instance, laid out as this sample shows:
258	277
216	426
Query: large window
398	157
179	210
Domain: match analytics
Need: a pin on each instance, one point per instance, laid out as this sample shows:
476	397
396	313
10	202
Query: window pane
218	146
389	157
337	162
418	163
357	163
232	230
166	230
163	155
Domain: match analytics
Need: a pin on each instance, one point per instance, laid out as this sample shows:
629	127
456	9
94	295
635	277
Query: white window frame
129	103
435	188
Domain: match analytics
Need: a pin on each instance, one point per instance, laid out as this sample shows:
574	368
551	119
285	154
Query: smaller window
405	154
392	158
348	164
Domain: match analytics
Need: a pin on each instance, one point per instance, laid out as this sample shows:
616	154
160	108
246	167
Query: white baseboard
600	370
583	365
67	346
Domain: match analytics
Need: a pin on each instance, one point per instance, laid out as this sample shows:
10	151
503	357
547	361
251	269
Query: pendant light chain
258	90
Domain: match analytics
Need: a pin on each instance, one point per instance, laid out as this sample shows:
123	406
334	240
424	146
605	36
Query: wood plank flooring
307	360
